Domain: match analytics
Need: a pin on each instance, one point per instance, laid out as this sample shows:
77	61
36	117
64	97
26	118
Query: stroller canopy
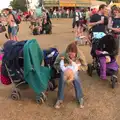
35	75
108	43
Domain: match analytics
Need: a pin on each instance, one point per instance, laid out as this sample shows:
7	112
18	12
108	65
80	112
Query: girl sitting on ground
73	53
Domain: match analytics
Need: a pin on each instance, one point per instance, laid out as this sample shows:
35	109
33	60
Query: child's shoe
58	104
81	103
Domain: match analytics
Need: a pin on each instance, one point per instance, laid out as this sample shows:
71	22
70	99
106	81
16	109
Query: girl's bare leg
16	38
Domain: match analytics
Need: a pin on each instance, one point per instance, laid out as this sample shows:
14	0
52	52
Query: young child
108	58
81	38
69	70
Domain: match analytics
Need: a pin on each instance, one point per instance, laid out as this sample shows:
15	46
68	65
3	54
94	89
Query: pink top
1	56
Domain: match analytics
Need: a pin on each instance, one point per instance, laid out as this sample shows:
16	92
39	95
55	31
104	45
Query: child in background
81	39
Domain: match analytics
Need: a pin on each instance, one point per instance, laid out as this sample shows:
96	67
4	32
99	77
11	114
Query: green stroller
22	64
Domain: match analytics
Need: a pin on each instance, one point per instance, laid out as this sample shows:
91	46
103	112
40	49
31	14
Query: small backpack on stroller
50	56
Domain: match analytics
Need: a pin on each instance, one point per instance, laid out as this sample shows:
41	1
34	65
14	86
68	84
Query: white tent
96	4
110	5
4	4
33	4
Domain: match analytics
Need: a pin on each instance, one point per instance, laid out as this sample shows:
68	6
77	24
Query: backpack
50	56
17	18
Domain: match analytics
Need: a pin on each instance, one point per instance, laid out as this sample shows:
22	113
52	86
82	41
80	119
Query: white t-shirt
80	14
77	16
74	67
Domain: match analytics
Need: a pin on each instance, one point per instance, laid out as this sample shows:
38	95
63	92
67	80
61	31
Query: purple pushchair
105	47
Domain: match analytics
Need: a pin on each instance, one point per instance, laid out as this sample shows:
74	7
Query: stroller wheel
89	71
98	72
113	80
16	90
15	96
50	86
43	96
40	100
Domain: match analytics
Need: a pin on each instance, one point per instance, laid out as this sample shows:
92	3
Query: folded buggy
104	52
22	65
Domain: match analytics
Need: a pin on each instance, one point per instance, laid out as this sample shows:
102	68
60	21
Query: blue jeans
13	30
76	83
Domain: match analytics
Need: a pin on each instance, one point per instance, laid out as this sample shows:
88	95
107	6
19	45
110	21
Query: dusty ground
101	102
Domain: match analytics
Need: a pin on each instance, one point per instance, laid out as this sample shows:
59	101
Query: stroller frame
95	65
16	93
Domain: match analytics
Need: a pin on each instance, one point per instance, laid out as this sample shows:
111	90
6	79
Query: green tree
19	4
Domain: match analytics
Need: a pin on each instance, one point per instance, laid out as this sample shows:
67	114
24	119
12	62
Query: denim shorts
13	30
9	29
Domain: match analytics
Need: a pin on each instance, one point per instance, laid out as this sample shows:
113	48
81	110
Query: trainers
58	104
81	103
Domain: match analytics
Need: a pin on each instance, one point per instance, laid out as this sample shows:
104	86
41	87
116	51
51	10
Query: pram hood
12	48
108	43
35	75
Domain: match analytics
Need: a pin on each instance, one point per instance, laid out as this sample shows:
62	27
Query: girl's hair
72	48
7	9
114	8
